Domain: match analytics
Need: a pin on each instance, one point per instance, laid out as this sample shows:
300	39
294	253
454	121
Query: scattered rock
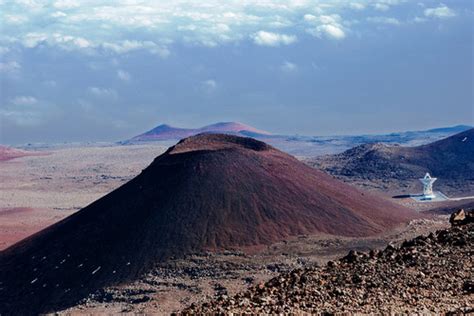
424	275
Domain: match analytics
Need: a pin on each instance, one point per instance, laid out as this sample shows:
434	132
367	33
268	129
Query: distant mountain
302	146
167	132
452	129
208	192
450	159
414	138
318	145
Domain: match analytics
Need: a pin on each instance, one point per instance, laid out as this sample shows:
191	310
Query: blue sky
107	70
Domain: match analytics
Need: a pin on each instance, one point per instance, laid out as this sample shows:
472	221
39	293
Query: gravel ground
428	274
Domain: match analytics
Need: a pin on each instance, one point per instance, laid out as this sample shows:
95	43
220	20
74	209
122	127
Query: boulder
461	217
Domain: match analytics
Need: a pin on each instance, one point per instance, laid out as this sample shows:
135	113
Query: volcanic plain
62	180
58	181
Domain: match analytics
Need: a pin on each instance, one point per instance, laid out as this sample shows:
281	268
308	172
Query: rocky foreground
428	274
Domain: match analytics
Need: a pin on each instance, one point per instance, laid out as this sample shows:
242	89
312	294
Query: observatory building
428	181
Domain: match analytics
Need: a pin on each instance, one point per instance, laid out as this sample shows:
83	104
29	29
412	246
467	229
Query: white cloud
15	19
129	46
310	17
264	38
4	50
85	105
67	42
58	14
381	7
127	26
328	26
66	4
10	66
357	6
21	117
417	19
288	67
32	39
103	92
384	5
384	20
123	75
50	83
24	100
31	4
23	111
331	31
330	19
440	12
81	42
209	85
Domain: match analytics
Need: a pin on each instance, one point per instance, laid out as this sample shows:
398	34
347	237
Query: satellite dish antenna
428	181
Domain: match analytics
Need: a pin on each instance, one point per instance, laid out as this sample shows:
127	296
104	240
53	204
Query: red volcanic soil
166	132
19	222
208	192
8	153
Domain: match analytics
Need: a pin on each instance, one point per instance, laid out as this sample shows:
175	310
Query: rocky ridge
428	274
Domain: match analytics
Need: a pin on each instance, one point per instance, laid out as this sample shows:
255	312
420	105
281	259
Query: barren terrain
199	195
176	285
49	187
426	275
36	191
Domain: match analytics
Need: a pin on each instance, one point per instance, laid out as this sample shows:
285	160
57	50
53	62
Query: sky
99	70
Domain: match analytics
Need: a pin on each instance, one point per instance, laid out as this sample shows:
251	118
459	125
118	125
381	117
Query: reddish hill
8	153
207	192
167	132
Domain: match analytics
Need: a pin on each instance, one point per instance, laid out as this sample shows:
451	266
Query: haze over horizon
98	70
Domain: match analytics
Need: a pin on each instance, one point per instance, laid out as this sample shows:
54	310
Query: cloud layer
91	68
125	26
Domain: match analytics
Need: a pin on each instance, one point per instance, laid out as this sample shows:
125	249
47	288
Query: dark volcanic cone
207	192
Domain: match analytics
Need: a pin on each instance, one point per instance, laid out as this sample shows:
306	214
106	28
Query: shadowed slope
450	159
207	192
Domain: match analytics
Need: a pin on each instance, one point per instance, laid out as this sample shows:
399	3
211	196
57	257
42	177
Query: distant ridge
167	132
450	159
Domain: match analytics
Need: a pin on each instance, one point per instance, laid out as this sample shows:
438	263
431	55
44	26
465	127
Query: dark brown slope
450	159
207	192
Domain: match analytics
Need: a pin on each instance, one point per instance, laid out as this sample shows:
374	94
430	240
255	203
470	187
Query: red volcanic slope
209	191
8	153
166	132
